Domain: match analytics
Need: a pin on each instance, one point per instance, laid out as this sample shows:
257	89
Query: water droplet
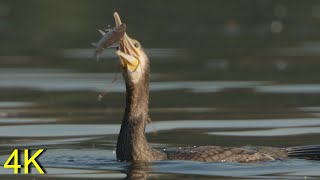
100	96
281	65
276	27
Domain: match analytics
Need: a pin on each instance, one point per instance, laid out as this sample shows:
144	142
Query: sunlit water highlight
62	130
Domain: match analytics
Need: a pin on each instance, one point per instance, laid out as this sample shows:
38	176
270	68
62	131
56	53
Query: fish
109	39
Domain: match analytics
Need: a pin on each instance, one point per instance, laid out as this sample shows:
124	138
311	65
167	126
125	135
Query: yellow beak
128	52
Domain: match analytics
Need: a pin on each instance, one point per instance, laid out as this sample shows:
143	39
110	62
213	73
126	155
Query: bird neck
132	143
137	101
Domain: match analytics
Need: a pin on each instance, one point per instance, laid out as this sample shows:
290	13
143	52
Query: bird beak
128	51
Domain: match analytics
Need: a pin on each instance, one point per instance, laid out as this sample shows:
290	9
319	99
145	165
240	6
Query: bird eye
136	45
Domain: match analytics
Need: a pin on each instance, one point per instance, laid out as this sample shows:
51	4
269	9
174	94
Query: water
232	74
80	139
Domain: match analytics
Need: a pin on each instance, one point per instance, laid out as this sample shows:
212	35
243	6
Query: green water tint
220	76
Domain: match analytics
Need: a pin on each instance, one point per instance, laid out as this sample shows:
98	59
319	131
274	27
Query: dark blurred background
238	37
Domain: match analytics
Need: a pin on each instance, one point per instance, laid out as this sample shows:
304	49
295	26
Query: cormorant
132	144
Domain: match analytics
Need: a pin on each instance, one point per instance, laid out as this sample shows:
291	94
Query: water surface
222	73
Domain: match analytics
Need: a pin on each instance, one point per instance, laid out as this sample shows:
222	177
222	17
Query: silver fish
109	39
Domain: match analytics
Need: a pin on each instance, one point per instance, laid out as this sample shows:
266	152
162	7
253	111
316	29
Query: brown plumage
132	144
228	154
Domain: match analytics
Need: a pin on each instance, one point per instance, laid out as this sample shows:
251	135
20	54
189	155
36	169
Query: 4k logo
14	159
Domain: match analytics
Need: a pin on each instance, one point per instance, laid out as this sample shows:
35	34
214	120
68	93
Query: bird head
133	60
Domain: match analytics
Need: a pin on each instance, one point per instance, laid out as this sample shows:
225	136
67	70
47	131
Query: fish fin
94	44
108	29
101	32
